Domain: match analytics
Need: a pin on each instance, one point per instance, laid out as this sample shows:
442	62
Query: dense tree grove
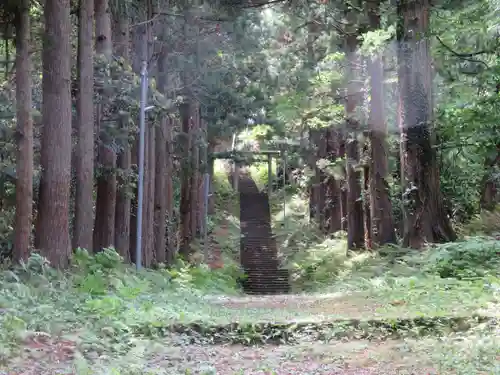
395	109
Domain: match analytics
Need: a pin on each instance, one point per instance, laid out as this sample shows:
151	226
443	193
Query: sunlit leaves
375	41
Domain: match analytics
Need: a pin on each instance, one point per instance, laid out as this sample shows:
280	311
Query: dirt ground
348	358
172	357
179	355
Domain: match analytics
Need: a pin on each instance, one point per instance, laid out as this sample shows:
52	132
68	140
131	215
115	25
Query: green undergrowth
107	308
472	353
102	299
226	215
318	263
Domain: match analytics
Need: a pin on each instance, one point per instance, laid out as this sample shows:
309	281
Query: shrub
476	257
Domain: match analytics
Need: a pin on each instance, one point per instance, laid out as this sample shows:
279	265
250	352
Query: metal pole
206	193
205	216
269	175
284	189
236	177
140	182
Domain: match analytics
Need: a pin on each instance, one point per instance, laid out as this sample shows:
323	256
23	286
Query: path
258	249
174	356
308	358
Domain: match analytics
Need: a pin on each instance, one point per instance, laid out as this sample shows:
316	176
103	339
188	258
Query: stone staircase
258	250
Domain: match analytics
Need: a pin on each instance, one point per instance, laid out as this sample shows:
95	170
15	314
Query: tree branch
464	56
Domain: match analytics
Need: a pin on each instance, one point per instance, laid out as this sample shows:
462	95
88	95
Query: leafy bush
260	174
221	185
6	233
476	257
319	266
486	223
102	297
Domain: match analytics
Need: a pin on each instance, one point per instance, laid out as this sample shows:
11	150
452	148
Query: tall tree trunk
314	139
317	200
382	223
333	210
211	171
187	111
121	40
135	37
323	180
197	177
24	130
149	170
343	184
195	171
84	163
201	185
424	213
52	229
169	194
366	198
489	189
355	227
314	186
148	252
104	224
185	204
161	178
160	206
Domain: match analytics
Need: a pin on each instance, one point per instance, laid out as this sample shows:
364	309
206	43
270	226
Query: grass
111	314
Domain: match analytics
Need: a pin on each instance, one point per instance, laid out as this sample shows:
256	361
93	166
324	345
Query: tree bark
84	163
169	194
24	130
367	220
160	206
424	213
137	40
104	224
333	209
161	178
121	40
148	249
489	189
187	116
317	189
52	228
355	226
211	171
195	171
149	252
382	223
185	204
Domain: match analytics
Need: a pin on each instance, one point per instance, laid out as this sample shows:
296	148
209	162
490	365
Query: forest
249	187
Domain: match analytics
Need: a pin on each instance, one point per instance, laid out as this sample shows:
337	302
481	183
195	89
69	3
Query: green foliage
6	233
485	223
102	297
475	258
317	267
260	173
221	184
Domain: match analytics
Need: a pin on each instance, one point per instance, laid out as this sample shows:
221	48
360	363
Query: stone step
267	272
268	291
268	281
